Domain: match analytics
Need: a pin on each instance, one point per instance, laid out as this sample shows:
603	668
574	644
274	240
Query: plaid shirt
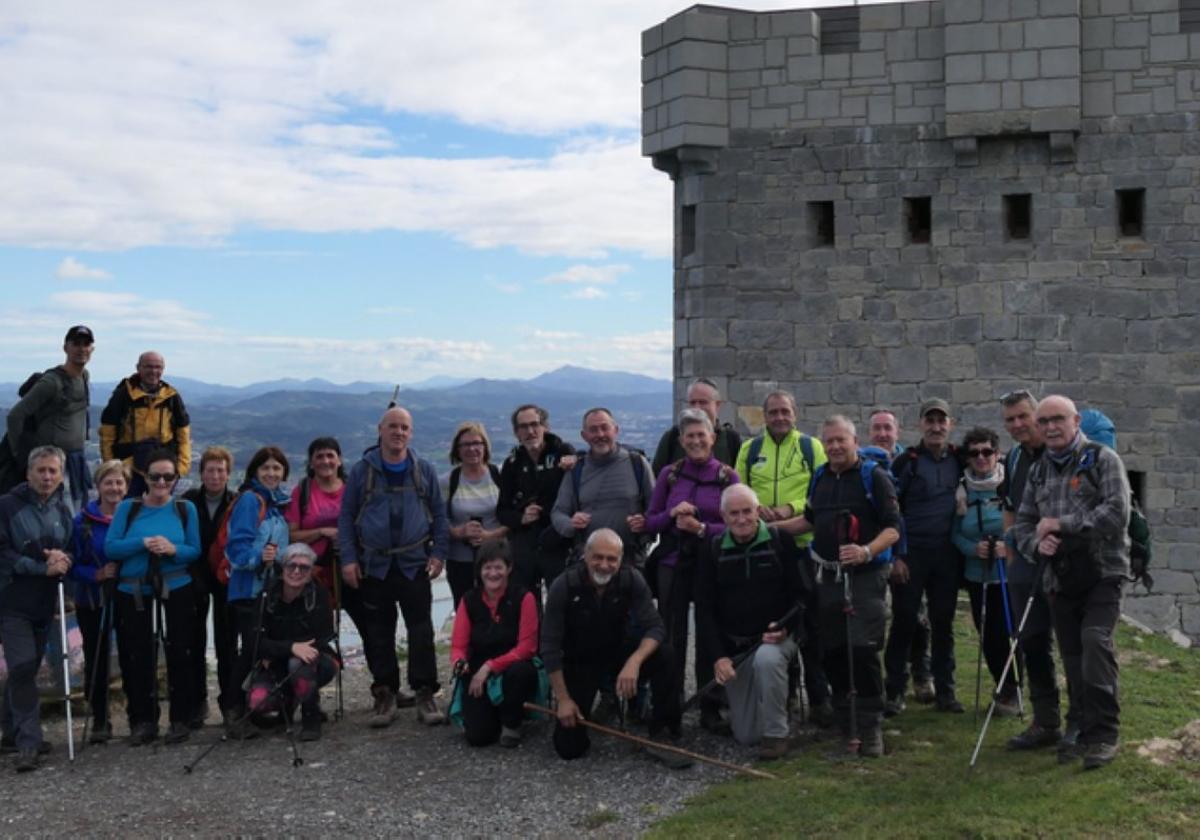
1090	500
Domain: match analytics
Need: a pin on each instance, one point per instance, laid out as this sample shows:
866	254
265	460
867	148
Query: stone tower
882	204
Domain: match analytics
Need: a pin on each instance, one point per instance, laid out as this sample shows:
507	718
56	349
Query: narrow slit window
687	230
1018	216
839	29
1189	15
1131	210
1137	486
821	223
918	218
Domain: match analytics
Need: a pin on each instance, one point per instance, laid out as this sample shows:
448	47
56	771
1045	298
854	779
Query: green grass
923	788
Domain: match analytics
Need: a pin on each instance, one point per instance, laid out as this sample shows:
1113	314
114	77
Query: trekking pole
336	574
738	660
66	666
1012	654
1008	623
156	628
844	525
106	610
982	632
646	742
395	396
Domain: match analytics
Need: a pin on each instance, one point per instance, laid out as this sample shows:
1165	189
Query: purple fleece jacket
698	484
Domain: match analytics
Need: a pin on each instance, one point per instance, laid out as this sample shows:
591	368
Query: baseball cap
936	404
80	333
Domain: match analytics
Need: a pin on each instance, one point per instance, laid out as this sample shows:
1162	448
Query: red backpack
218	560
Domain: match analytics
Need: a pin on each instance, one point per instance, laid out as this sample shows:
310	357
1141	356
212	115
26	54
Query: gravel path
406	780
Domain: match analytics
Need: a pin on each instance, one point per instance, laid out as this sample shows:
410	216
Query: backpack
456	475
724	476
756	445
636	459
418	481
12	472
218	559
869	458
1099	430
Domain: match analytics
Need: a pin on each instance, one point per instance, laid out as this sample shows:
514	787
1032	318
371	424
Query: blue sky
287	189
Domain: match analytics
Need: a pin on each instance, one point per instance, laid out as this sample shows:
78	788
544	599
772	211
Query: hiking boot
773	749
142	733
872	743
1069	747
27	760
510	737
240	727
177	733
1098	755
894	706
406	698
712	721
822	714
948	703
1033	738
1008	705
428	711
385	707
199	716
9	745
923	690
310	726
101	733
672	760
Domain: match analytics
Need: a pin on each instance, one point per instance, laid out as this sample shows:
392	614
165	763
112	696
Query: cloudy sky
370	190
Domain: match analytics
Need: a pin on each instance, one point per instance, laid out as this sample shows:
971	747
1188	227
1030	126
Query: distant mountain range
291	412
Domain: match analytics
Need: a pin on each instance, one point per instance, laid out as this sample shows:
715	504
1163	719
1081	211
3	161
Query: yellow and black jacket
135	423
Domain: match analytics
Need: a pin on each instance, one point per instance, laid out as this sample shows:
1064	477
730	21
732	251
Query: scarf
982	484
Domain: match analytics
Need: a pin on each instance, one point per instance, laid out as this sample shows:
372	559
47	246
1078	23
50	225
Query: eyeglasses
529	427
293	566
1055	420
471	444
160	478
981	453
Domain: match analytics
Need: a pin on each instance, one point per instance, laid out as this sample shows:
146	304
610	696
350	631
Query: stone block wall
762	134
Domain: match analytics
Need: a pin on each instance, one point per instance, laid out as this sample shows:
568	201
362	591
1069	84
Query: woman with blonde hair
471	490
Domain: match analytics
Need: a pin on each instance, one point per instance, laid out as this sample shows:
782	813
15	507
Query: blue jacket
87	550
248	537
123	543
967	531
27	527
391	526
925	489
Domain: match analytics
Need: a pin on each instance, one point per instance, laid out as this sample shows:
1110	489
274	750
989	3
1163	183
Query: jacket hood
25	493
92	511
278	497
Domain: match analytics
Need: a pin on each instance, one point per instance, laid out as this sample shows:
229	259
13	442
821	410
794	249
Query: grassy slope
922	787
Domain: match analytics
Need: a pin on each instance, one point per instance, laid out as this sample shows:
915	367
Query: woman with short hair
471	490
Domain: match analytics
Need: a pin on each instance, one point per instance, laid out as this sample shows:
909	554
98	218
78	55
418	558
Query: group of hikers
574	573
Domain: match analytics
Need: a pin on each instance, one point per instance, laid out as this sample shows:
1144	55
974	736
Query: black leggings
138	653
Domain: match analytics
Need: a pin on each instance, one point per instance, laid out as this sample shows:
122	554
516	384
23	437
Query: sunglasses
1017	396
981	453
293	566
160	478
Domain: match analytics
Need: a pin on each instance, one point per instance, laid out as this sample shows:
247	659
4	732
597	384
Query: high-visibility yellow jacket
135	423
780	473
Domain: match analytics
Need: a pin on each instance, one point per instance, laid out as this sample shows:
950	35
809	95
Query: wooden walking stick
646	742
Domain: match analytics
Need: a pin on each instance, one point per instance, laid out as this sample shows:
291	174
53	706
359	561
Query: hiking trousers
933	572
996	640
1085	624
482	719
675	597
867	625
414	596
24	646
97	649
758	695
136	648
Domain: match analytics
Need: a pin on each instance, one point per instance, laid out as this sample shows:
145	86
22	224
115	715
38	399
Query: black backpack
12	472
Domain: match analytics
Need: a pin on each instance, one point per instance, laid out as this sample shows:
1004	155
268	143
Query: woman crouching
294	644
493	647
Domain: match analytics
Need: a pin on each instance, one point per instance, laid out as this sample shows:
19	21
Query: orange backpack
218	560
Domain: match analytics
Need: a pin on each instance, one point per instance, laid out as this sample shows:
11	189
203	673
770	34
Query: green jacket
780	474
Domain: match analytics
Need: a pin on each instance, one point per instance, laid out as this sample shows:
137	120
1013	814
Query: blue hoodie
248	537
87	552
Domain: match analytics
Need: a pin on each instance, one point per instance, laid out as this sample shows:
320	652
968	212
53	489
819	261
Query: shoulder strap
676	469
134	509
639	474
577	477
182	512
756	445
866	469
806	451
304	490
812	482
494	472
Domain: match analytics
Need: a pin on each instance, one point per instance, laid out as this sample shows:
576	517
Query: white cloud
589	274
587	293
72	269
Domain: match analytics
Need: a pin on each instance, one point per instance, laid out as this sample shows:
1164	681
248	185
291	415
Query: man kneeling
600	626
750	594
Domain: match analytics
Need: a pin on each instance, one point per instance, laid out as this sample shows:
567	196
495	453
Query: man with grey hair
600	626
35	528
702	394
853	515
1075	513
751	591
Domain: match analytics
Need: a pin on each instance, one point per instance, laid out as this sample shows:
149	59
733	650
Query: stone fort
876	205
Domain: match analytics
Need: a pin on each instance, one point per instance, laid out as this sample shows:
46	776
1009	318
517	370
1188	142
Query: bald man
144	414
393	536
1075	512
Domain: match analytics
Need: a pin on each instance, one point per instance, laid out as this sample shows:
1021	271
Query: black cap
80	335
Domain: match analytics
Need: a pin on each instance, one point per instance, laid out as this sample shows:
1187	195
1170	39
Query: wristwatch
867	549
